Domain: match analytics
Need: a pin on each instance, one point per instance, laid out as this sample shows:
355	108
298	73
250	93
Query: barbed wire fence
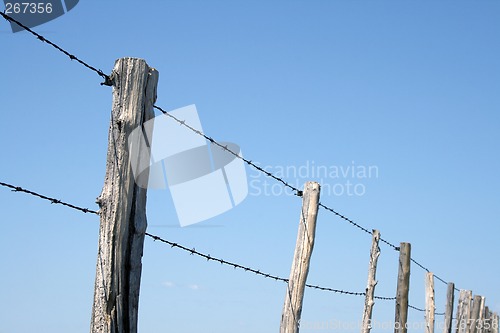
250	163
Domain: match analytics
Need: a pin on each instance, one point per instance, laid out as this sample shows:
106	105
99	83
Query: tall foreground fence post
401	313
372	282
430	305
448	314
122	204
292	309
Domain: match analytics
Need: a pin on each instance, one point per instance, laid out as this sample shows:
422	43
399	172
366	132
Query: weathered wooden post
494	322
448	314
292	309
372	282
487	320
403	288
463	311
490	321
430	305
474	315
122	204
481	328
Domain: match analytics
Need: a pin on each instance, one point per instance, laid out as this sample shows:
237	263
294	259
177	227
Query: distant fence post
474	316
430	305
372	282
481	315
463	311
292	309
401	313
122	204
487	320
448	315
494	322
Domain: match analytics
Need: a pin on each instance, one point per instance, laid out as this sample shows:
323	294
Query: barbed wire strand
427	270
52	200
415	308
423	310
107	79
225	148
208	257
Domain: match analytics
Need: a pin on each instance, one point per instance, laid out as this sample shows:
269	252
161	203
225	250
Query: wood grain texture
122	204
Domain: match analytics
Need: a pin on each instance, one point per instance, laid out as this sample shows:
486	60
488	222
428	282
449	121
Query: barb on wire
107	79
52	200
225	148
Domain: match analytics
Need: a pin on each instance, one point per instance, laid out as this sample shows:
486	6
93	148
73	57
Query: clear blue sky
410	87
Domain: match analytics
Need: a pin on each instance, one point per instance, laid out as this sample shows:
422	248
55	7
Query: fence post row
292	308
122	204
403	288
372	282
491	321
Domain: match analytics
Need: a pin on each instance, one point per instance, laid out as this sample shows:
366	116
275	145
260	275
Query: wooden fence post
494	322
122	204
292	309
403	288
474	316
463	311
487	320
448	315
372	282
491	321
481	315
430	305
